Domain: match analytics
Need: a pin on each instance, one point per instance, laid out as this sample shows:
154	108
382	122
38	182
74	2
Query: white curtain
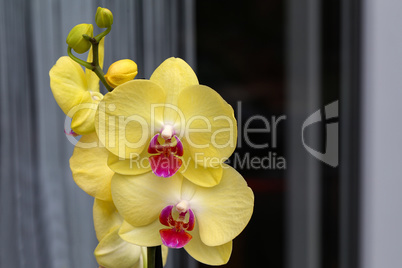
45	219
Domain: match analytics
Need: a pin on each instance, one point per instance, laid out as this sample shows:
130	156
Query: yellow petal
140	199
173	75
217	255
200	175
106	218
123	120
211	130
90	169
114	252
146	236
83	114
68	83
222	211
134	166
92	78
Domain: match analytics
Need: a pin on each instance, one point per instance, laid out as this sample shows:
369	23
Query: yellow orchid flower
171	122
89	167
77	92
112	251
178	213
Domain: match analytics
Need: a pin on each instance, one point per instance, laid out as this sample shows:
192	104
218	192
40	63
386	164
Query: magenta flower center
176	236
165	163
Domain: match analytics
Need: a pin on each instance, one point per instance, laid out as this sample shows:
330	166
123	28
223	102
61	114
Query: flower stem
83	63
155	257
94	66
102	34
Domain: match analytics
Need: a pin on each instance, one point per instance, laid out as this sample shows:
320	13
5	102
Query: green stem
98	71
155	257
102	34
151	257
83	63
94	66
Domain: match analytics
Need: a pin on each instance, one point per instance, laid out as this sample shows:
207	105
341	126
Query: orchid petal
126	112
90	169
222	211
200	175
146	236
68	83
106	218
136	165
197	173
211	130
217	255
140	199
83	114
112	251
173	75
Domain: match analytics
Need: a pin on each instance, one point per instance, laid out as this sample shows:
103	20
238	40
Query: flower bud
77	41
120	72
103	17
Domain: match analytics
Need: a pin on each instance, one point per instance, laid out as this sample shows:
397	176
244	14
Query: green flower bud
120	72
103	17
77	41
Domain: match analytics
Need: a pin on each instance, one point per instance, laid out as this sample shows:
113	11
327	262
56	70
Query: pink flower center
176	236
165	163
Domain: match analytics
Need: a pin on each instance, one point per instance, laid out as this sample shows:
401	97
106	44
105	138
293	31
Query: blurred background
277	62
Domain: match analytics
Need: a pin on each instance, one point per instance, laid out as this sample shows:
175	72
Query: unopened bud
120	72
77	41
103	17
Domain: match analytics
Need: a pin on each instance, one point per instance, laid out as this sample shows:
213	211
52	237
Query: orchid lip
165	163
176	236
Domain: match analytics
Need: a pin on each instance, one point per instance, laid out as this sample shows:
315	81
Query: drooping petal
68	83
114	252
140	199
146	236
217	255
211	130
124	117
173	75
83	114
106	218
89	167
136	165
222	211
92	78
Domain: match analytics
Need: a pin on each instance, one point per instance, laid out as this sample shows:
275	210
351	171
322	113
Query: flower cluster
152	155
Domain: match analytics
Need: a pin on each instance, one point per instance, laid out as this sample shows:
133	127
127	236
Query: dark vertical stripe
350	116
